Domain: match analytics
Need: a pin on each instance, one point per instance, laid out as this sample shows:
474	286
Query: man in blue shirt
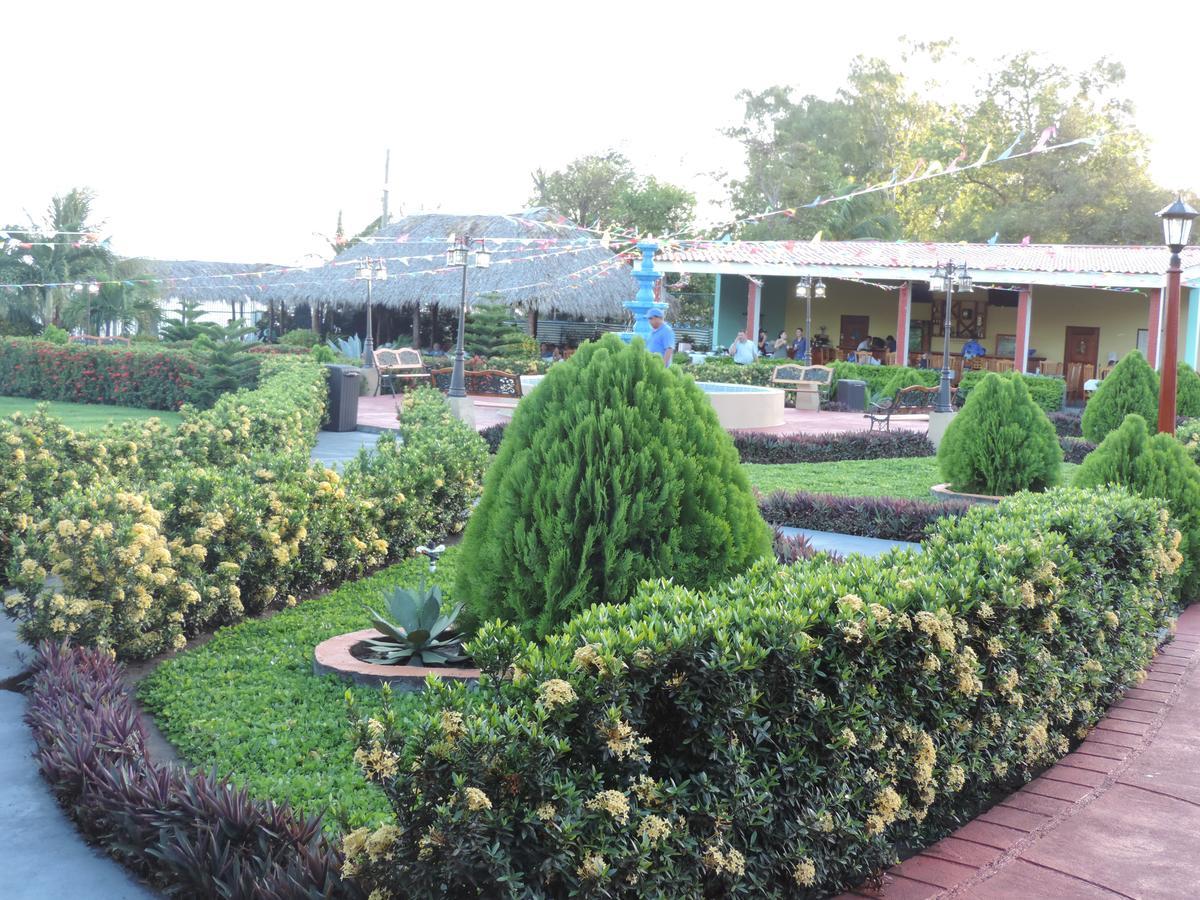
973	348
662	338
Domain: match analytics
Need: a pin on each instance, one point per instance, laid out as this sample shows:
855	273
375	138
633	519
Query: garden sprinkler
433	553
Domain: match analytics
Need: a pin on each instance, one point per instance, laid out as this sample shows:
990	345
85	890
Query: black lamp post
807	288
950	278
1177	227
458	254
370	270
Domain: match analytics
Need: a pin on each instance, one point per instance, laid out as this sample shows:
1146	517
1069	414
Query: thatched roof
191	279
539	260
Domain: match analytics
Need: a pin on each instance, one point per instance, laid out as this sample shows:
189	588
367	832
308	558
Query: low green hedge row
155	536
80	374
781	734
1047	392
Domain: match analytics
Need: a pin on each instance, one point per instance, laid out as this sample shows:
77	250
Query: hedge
875	517
1068	423
1047	392
756	447
1075	450
82	374
193	835
155	536
782	734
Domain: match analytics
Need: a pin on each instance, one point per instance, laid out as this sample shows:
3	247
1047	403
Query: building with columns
1042	307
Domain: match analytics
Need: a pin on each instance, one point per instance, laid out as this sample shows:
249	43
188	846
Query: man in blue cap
662	338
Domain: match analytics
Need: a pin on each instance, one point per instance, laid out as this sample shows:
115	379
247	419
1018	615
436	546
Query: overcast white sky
235	131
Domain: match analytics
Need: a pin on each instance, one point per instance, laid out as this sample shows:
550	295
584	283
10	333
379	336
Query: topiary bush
780	735
1187	392
1000	442
1131	387
300	337
613	470
1154	466
904	376
1047	392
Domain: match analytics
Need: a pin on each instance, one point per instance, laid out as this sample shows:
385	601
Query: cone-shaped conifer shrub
1187	392
1131	387
615	469
1153	466
1000	442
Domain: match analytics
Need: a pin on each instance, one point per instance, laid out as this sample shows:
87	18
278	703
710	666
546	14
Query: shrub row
80	374
876	517
1068	423
154	536
777	736
754	447
1047	392
194	835
1075	449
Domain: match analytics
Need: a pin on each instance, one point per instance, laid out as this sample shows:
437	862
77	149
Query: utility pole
387	161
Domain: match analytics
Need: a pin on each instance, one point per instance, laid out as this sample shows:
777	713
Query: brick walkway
1119	817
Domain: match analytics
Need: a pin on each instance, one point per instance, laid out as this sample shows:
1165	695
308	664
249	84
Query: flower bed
79	374
876	517
754	447
779	735
194	835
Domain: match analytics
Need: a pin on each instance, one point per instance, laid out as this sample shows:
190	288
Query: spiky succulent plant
417	628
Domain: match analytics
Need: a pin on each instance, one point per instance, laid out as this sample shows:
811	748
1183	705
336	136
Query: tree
602	189
186	326
490	331
1187	392
1131	387
613	470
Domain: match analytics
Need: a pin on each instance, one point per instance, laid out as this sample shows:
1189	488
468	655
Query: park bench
808	385
405	364
908	401
480	381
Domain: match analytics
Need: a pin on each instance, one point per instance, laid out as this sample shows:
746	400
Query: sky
237	131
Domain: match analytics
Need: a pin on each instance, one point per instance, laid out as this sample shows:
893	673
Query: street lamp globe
381	272
819	290
1177	224
483	257
937	281
964	282
362	271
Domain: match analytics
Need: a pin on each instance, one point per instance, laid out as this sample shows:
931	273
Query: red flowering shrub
78	374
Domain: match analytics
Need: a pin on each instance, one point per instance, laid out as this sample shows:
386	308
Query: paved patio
380	412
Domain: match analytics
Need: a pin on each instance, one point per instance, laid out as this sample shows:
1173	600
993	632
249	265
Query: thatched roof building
219	282
539	261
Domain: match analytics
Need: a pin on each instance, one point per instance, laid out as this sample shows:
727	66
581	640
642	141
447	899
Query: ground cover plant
614	470
876	517
778	735
86	416
1000	442
1131	387
753	447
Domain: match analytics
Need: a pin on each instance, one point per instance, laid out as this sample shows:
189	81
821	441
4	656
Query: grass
248	704
85	416
908	478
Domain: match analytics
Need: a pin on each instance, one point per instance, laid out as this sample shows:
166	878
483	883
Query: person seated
743	350
864	345
877	343
973	348
548	351
557	356
890	343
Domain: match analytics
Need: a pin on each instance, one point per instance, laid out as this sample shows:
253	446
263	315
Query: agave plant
418	629
350	347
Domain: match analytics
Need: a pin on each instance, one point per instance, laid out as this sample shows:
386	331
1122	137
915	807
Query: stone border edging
333	657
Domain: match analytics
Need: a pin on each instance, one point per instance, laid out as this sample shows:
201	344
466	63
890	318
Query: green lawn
85	416
910	478
248	703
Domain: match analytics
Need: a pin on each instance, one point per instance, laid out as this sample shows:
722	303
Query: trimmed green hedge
1047	392
780	735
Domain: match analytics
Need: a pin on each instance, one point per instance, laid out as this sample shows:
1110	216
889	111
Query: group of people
745	351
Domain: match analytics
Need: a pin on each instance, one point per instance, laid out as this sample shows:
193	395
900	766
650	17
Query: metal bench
405	364
494	382
908	401
808	385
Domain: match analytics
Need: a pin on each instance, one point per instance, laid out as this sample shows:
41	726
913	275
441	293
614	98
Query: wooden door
854	329
1082	349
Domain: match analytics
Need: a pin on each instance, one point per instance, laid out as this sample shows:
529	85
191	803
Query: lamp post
807	288
950	278
1177	227
459	254
370	270
89	290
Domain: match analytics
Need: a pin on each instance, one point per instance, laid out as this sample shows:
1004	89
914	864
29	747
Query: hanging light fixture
819	290
94	288
483	256
362	271
381	271
1177	224
937	281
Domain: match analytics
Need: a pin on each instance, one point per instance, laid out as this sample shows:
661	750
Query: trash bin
343	397
852	393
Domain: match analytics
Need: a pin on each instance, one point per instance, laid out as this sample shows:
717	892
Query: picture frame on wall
1143	342
1006	345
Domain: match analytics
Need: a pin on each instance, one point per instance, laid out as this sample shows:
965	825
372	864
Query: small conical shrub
1000	442
1153	466
1131	387
615	469
1187	392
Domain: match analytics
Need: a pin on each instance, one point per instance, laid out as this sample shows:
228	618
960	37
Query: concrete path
1118	818
336	448
41	853
845	544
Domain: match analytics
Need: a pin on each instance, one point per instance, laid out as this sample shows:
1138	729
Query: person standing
662	338
743	350
800	345
764	344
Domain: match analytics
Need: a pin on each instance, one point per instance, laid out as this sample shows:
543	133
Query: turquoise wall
731	312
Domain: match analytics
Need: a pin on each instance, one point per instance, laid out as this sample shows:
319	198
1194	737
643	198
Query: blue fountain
644	301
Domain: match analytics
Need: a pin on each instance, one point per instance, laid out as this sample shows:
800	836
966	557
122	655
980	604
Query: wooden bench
492	382
405	364
908	401
808	385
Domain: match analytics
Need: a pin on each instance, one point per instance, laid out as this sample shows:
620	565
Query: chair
405	364
811	383
910	400
1004	365
889	359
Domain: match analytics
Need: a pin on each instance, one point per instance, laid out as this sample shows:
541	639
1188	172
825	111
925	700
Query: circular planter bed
943	492
336	656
